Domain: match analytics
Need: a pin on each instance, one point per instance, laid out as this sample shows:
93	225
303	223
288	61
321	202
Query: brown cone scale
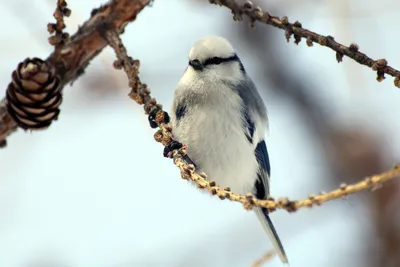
33	96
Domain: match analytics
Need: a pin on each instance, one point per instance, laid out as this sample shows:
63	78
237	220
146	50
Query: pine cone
33	96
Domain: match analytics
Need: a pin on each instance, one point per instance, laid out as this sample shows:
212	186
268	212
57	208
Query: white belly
217	145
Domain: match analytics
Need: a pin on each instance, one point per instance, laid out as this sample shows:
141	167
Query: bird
218	113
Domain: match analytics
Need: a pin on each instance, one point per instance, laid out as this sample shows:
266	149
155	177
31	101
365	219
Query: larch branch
264	259
298	32
70	58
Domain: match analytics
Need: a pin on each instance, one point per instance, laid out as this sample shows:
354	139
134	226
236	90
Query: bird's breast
213	132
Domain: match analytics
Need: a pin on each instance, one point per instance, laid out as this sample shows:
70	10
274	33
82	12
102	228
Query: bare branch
264	259
72	57
141	94
58	27
295	29
249	201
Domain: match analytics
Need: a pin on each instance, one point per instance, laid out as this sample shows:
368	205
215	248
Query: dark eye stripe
219	60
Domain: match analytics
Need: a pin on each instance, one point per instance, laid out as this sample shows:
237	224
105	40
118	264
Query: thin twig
141	94
264	259
295	29
72	57
57	28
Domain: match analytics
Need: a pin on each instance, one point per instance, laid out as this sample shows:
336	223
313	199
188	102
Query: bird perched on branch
219	114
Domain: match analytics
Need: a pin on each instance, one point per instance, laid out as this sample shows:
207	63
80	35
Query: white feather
236	166
213	46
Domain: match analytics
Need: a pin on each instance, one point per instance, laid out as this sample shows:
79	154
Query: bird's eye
214	61
219	60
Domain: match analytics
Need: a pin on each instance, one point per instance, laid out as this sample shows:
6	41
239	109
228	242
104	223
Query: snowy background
95	191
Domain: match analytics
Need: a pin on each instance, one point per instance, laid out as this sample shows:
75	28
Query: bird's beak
196	64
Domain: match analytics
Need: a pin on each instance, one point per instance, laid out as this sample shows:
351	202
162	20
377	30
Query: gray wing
253	105
251	98
261	189
261	186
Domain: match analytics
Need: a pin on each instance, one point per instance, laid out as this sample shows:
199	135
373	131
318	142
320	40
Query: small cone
33	96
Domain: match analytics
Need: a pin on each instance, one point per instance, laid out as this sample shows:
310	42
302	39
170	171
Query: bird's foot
171	147
158	116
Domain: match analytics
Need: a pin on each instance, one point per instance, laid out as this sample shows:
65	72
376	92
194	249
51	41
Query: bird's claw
170	147
153	116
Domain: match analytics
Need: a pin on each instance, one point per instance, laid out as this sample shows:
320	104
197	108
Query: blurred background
95	191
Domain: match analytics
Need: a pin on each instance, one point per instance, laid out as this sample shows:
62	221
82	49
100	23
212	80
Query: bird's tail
266	222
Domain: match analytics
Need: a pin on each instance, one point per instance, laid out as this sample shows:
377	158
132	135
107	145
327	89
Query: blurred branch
264	259
72	55
141	94
295	29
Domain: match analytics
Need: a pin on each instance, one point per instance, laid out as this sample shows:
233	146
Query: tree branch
141	94
264	259
295	29
72	57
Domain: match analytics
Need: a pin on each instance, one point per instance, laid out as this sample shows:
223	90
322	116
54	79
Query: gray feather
251	98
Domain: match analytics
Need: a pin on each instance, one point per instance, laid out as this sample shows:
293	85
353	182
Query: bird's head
214	57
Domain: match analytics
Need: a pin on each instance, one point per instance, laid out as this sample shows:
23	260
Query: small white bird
219	114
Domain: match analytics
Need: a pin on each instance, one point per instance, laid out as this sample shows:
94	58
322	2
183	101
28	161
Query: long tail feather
266	222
